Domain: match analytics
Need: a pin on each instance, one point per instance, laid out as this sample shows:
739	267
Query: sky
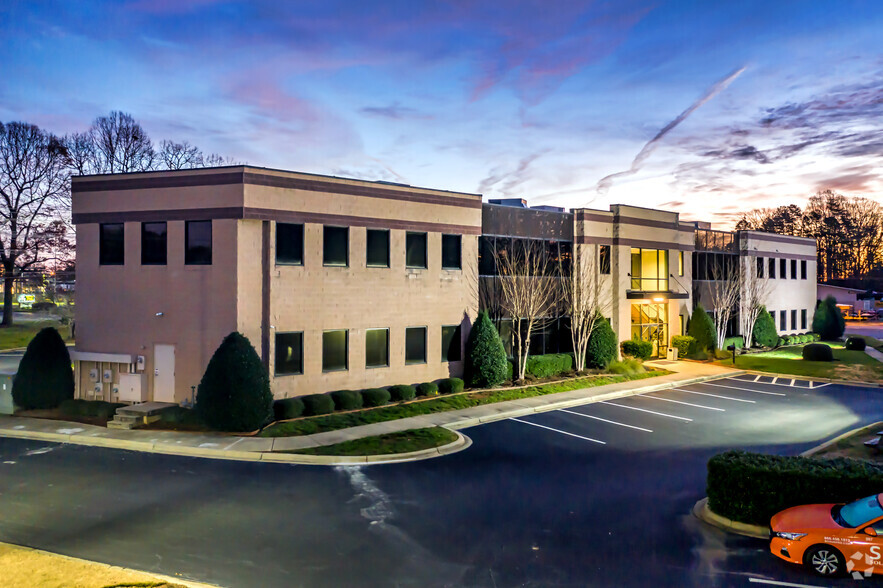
704	108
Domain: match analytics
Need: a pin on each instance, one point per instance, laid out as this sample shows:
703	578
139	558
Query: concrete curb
704	514
814	379
827	444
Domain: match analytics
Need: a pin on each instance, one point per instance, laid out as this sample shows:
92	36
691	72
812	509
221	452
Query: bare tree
33	187
723	292
180	155
754	291
528	291
121	145
581	299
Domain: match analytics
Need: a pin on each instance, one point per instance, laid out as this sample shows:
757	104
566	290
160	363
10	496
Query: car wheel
824	560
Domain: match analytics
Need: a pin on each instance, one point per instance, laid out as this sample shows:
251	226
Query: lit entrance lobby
650	323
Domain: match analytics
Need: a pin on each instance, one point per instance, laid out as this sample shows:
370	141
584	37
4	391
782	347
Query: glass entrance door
650	323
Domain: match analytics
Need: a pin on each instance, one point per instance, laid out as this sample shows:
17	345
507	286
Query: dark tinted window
793	269
803	270
198	242
565	249
377	248
451	343
486	263
803	319
759	267
772	268
377	348
334	351
783	321
336	244
111	249
451	252
783	269
793	319
289	244
415	345
289	353
153	244
415	250
604	259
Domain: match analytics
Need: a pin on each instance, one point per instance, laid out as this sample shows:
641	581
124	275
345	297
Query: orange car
832	539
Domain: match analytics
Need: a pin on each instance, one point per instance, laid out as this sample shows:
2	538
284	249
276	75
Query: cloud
394	111
510	179
852	179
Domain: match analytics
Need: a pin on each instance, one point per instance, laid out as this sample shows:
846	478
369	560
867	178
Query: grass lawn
20	334
854	446
847	365
402	442
333	422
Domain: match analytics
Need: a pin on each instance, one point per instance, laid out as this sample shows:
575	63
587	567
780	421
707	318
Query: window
650	269
377	248
604	259
415	345
290	244
334	351
803	270
783	320
376	348
111	244
803	319
486	262
198	242
793	320
680	263
335	246
289	353
415	250
783	269
772	268
451	246
451	343
153	244
793	269
759	267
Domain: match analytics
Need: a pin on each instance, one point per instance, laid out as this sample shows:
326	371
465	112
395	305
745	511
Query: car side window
878	526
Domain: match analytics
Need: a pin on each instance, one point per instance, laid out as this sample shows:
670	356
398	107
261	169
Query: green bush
427	389
510	370
375	397
105	410
738	341
602	346
637	349
451	385
751	487
791	340
817	352
765	334
682	344
73	407
627	367
402	392
552	364
856	343
234	394
828	321
288	408
45	377
816	337
346	399
315	404
45	305
701	328
179	415
485	354
89	408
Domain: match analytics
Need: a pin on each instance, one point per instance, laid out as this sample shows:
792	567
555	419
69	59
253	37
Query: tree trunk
8	281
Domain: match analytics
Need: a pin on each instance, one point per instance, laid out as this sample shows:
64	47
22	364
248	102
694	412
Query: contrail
604	183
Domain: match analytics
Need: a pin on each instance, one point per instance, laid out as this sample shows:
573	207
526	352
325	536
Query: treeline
848	231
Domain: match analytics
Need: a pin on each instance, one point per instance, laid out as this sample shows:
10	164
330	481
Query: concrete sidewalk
221	446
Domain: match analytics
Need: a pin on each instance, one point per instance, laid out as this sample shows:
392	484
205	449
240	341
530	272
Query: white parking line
715	395
774	383
557	431
745	389
819	386
662	414
684	403
588	416
775	583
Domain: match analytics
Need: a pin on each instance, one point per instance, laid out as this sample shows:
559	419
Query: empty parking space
789	381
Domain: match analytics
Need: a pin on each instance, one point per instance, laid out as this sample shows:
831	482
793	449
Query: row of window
554	256
335	349
783	268
154	243
783	320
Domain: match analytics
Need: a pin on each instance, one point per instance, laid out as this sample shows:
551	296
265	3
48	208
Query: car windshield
861	511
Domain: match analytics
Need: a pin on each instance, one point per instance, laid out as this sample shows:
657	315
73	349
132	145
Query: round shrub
451	386
485	354
682	344
637	349
427	389
316	404
601	349
856	343
402	392
45	378
375	397
780	342
701	328
346	399
817	352
828	321
765	333
234	394
288	408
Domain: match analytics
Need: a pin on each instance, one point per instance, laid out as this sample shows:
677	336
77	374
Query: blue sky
532	99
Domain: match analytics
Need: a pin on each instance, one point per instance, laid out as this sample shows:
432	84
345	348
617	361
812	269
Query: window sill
335	370
415	362
289	264
288	374
376	367
337	265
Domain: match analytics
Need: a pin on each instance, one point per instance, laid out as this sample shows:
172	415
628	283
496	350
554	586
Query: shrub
682	344
73	407
780	342
790	340
427	389
552	364
104	410
856	343
346	399
45	378
601	348
738	341
45	305
701	328
828	321
451	385
628	367
765	333
485	354
375	397
510	370
816	337
316	404
817	352
89	408
234	394
178	414
288	408
751	487
402	392
637	349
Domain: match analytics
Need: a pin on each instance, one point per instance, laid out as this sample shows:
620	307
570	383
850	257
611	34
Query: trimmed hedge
628	366
701	328
856	344
602	346
752	487
89	408
485	354
346	399
402	392
551	364
682	344
288	408
828	321
375	397
637	349
316	404
427	389
451	385
765	333
738	341
45	378
817	352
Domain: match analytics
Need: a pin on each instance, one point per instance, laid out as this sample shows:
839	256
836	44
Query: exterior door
650	323
164	373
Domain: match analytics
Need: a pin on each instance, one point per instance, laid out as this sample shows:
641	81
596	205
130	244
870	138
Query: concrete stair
137	415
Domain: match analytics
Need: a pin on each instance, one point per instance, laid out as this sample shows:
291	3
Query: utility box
132	388
672	354
6	404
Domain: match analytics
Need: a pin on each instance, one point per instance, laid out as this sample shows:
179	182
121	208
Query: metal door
164	373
